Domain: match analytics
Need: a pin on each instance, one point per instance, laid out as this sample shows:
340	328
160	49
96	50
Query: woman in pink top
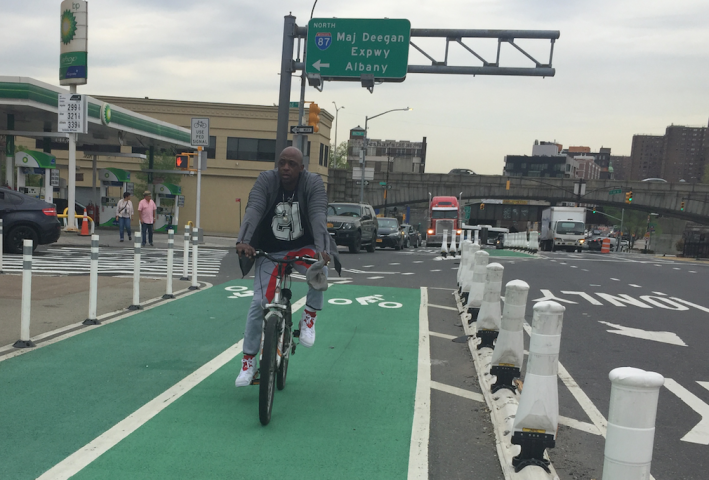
146	210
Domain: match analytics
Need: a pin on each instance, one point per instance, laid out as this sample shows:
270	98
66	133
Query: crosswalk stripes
77	261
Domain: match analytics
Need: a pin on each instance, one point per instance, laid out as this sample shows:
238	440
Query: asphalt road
621	310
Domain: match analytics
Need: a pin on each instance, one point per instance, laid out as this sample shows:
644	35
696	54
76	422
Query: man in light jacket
286	214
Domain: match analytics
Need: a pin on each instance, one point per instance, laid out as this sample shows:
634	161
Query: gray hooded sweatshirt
311	195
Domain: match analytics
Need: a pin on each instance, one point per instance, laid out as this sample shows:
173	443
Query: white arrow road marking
664	337
700	433
318	65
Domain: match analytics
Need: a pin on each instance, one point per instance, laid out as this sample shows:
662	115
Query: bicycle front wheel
268	368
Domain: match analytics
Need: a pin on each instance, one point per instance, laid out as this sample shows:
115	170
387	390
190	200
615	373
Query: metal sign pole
199	184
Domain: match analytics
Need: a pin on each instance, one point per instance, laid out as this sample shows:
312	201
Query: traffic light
482	206
629	196
681	206
182	162
314	116
594	210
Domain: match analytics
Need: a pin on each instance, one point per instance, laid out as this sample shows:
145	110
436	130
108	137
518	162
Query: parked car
27	218
461	171
353	225
412	238
389	234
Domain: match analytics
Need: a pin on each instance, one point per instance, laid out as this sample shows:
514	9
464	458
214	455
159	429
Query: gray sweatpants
265	277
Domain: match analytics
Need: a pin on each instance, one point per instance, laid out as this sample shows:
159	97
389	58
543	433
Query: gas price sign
73	113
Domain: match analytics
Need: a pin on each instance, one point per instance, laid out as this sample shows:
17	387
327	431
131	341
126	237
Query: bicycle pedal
296	333
256	380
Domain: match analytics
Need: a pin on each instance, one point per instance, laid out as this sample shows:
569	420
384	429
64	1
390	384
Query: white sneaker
246	375
307	330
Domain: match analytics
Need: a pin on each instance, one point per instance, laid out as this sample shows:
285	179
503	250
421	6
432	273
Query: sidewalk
109	237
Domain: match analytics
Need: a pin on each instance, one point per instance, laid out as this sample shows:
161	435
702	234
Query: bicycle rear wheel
268	368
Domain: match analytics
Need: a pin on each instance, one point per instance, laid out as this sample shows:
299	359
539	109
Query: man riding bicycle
286	217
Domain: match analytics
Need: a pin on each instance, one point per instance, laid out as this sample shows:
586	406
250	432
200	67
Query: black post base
473	315
505	377
464	297
168	295
24	344
91	321
192	287
533	446
444	254
185	278
487	338
135	307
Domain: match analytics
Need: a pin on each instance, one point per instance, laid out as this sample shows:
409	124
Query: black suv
27	218
352	225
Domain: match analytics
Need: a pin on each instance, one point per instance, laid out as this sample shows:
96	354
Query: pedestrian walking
146	210
124	214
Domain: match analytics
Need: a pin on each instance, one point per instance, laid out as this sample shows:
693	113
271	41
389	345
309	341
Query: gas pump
113	184
167	206
38	163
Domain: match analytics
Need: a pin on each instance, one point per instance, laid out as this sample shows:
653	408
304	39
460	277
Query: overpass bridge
414	188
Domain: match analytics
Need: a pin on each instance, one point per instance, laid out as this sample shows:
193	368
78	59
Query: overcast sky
622	67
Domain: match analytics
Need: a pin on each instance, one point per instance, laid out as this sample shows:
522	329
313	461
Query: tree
338	156
705	177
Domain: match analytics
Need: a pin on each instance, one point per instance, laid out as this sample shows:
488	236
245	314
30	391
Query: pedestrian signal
482	206
314	116
629	197
182	162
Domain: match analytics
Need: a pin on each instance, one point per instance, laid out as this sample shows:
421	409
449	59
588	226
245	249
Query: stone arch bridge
414	188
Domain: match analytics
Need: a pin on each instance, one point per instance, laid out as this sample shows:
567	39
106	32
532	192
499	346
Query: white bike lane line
77	461
420	430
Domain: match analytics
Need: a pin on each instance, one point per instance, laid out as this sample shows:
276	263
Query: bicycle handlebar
289	261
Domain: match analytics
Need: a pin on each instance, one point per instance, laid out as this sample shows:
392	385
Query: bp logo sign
105	114
68	27
25	160
106	175
323	40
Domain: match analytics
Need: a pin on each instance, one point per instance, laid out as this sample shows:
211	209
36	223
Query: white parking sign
200	132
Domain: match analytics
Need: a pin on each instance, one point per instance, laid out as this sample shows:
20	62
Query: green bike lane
347	409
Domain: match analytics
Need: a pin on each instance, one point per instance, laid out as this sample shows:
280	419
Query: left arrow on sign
664	337
318	65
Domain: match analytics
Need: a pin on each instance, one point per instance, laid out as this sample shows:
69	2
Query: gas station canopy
33	105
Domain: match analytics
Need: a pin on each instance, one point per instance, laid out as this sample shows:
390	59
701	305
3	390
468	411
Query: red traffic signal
182	162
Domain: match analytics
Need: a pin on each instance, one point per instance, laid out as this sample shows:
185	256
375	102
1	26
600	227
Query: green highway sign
347	48
615	192
294	104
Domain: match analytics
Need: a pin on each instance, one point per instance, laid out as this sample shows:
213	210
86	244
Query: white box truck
562	229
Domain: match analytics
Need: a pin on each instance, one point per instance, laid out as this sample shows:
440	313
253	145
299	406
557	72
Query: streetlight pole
337	111
363	157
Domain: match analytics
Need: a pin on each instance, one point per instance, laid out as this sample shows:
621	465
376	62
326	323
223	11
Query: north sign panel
347	48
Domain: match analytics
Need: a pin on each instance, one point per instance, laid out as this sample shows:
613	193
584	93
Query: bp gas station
29	109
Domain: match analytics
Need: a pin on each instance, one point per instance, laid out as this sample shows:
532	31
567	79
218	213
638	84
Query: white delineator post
537	418
93	283
186	255
631	423
453	250
490	315
475	238
136	273
464	260
170	247
477	286
195	240
1	246
466	278
444	246
24	341
508	355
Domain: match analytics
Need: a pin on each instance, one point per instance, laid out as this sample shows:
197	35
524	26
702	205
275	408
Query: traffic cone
85	226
